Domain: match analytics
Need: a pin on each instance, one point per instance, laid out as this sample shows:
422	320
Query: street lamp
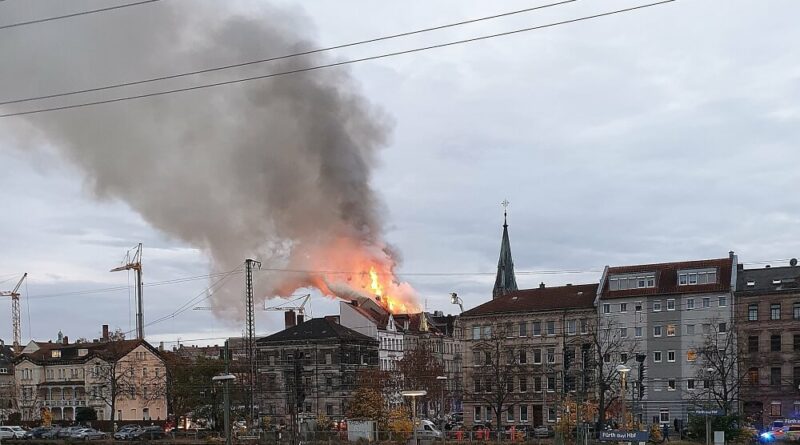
623	374
443	379
455	300
710	372
226	379
413	395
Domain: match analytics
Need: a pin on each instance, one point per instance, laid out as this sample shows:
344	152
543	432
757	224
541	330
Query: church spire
505	281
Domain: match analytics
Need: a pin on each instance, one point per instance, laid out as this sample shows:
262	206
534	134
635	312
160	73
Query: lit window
775	409
691	355
670	330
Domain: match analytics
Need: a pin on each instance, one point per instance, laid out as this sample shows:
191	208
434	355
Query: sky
663	134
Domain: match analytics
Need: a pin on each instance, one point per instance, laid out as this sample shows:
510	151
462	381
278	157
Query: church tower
506	281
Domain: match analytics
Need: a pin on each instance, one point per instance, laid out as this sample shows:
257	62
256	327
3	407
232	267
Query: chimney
289	319
569	284
66	340
105	332
541	285
161	346
300	318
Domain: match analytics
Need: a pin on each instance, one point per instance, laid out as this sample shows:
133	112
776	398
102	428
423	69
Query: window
796	311
623	358
523	329
606	358
584	326
752	343
722	301
657	385
144	372
537	356
698	276
657	306
523	384
796	342
523	356
551	355
623	332
551	383
656	331
623	307
606	308
637	331
637	306
551	328
478	413
671	385
752	376
537	328
510	413
706	302
690	384
488	357
510	385
509	330
487	332
657	356
671	356
476	332
689	304
775	376
551	414
663	416
571	327
706	384
537	384
775	311
633	281
775	343
477	385
722	328
670	330
775	409
752	312
329	409
55	353
706	328
523	413
670	305
797	378
690	329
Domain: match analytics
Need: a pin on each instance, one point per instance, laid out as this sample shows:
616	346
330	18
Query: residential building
373	320
525	354
768	327
8	399
312	366
669	313
61	377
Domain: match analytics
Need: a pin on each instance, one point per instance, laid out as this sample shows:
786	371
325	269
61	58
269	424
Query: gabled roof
769	280
6	354
110	350
317	329
666	278
541	299
420	322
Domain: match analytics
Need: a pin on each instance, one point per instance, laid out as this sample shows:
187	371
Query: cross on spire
505	204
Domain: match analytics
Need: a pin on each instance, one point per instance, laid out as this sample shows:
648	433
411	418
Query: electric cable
75	14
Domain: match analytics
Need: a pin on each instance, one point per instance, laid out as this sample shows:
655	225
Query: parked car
37	433
148	433
65	433
88	434
793	433
52	433
126	432
11	432
427	430
543	431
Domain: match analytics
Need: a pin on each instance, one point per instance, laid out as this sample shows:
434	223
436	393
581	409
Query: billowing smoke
275	169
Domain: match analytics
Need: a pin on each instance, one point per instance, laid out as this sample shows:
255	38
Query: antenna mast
250	332
134	262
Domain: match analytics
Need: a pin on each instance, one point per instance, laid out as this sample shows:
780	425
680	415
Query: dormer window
55	353
751	283
697	276
632	281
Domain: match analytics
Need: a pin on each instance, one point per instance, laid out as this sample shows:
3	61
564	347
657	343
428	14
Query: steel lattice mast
250	334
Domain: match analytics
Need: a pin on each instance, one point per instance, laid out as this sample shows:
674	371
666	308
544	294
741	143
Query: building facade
525	354
768	326
669	314
311	369
62	377
8	399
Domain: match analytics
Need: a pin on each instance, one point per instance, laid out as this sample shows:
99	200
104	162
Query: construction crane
15	318
133	261
300	308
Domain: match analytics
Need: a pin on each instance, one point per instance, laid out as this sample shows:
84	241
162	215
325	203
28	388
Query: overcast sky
663	134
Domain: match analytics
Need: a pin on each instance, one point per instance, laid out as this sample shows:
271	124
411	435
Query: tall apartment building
371	319
669	312
311	369
62	377
8	399
768	326
523	354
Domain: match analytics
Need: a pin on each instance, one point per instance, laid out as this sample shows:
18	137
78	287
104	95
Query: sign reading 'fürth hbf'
624	436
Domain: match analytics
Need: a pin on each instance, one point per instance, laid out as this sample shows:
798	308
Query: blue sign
624	436
706	412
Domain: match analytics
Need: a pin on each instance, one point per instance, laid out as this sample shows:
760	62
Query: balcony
65	403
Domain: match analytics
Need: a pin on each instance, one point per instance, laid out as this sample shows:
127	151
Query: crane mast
15	312
133	261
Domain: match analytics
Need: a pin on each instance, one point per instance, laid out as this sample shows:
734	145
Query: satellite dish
793	262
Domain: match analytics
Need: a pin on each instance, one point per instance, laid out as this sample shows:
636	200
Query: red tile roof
667	278
112	350
541	299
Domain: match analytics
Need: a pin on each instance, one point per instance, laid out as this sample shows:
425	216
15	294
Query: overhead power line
286	56
336	64
75	14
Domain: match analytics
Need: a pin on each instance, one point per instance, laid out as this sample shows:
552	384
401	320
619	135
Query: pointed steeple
506	281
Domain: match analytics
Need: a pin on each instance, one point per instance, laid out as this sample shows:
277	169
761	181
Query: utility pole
134	262
250	336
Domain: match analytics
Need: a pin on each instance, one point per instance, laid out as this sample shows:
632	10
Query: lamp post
623	374
710	371
413	395
443	379
226	379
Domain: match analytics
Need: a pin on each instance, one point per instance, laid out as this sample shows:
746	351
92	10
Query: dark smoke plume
275	169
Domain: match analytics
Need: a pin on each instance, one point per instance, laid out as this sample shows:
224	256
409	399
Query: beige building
126	376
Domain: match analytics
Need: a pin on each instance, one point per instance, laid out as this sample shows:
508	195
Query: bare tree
717	363
419	369
610	348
